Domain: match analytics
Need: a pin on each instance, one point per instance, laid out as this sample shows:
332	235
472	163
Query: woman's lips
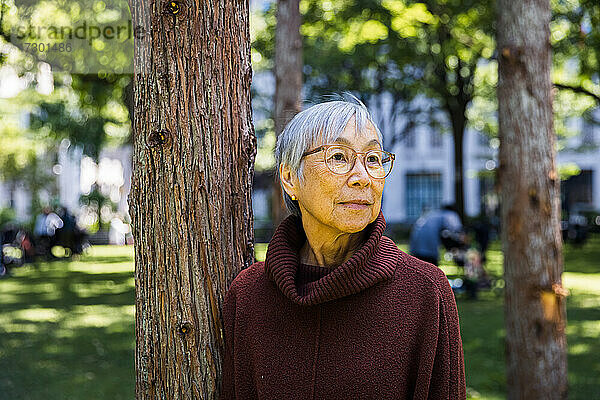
356	206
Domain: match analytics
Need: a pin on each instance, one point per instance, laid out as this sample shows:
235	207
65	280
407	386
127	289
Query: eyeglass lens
340	160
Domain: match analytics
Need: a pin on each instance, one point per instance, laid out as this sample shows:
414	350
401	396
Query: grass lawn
67	328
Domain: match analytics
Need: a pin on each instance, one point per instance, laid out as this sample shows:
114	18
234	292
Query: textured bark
535	300
190	200
288	81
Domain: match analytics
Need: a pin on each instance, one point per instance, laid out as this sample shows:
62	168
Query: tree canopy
436	60
77	93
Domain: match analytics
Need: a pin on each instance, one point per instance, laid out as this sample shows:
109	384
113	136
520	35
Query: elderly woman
337	311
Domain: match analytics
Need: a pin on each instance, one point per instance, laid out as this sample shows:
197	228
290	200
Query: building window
483	140
423	193
410	138
436	139
587	135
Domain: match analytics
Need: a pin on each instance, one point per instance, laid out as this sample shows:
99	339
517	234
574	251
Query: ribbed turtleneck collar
372	263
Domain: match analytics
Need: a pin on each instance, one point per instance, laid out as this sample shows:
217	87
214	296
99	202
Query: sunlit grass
67	328
260	251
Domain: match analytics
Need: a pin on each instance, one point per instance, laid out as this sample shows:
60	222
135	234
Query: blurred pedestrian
46	224
427	232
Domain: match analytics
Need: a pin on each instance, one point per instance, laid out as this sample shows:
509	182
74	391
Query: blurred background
426	70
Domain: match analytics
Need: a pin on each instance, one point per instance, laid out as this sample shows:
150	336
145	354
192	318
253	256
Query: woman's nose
359	174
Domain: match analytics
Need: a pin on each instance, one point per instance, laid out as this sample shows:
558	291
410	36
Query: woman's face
333	201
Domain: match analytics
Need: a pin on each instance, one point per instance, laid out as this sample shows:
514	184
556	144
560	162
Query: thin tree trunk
458	131
535	300
190	200
288	81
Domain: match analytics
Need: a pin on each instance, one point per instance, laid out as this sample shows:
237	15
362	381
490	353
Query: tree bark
190	201
535	300
288	82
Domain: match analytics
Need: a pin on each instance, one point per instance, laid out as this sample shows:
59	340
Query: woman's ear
288	179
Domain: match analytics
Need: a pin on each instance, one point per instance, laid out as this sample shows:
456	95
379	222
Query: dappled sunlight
579	348
84	266
37	314
68	327
582	283
98	316
260	251
483	332
89	289
584	329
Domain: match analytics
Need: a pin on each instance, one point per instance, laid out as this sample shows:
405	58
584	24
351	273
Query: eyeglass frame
356	153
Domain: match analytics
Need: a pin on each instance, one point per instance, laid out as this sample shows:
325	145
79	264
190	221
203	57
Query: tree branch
578	89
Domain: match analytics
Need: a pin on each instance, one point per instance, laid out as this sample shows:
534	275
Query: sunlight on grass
98	316
96	252
101	268
584	329
68	327
37	314
91	289
260	251
582	283
579	348
483	332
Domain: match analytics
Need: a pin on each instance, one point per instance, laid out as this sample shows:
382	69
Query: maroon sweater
383	325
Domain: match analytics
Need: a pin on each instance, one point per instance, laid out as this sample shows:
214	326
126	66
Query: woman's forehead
352	135
353	131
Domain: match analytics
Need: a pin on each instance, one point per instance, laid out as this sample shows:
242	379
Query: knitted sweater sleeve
448	375
228	381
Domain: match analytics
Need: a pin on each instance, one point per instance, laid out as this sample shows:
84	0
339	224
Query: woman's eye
338	157
373	160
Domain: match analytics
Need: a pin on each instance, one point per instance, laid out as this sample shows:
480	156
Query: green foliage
565	171
42	107
98	205
89	109
23	157
6	215
89	112
406	48
443	50
79	29
575	40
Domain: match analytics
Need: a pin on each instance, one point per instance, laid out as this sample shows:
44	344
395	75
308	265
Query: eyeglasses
340	160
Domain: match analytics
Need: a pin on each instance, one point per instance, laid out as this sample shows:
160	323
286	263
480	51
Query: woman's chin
353	225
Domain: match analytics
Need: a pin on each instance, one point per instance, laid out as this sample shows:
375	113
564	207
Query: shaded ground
67	329
483	333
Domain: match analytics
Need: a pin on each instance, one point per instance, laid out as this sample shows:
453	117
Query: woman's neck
329	251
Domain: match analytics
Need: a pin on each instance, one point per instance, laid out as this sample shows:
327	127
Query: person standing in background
425	237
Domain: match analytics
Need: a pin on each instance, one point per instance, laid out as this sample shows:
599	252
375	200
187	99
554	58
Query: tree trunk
535	300
190	200
459	121
288	81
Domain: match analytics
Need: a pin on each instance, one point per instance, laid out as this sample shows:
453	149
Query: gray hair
320	124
